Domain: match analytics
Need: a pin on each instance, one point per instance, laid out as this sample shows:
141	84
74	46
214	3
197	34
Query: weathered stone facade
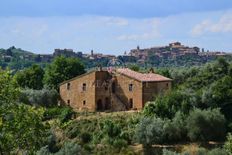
122	89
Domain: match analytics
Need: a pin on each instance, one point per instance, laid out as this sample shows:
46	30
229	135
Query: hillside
166	56
192	118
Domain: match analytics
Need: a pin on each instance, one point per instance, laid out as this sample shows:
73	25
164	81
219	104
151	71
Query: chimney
99	67
151	70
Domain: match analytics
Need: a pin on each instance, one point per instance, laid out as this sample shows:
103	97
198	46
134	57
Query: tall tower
138	48
91	52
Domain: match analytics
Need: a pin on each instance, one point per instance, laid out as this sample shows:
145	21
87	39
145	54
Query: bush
205	125
111	129
217	151
120	143
44	97
166	106
69	148
175	129
62	113
85	137
149	109
228	144
66	115
168	152
198	151
150	131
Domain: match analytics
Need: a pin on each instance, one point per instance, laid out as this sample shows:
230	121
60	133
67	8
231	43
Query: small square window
68	86
84	87
68	101
84	102
106	88
130	87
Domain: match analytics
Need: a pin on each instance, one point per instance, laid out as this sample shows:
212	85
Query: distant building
172	50
122	89
64	52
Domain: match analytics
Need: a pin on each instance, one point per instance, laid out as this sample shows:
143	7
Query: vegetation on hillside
196	110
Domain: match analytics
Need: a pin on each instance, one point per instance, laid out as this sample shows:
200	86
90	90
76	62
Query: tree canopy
62	69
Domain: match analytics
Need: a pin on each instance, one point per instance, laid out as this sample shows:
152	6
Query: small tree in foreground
205	125
150	131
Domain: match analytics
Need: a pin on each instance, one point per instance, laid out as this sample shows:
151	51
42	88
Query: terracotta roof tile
146	77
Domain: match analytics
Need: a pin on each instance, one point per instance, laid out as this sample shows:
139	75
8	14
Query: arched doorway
99	105
107	103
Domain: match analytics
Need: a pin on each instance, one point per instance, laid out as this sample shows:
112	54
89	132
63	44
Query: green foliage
8	90
168	152
164	71
150	131
22	129
57	112
166	106
149	109
217	151
62	69
44	97
199	151
175	130
66	114
85	137
69	148
134	68
31	77
228	144
111	129
220	95
21	126
205	125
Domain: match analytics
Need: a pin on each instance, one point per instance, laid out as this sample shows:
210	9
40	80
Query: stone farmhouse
117	90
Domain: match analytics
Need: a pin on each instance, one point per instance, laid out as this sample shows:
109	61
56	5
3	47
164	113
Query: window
131	103
84	102
130	87
167	85
68	86
106	88
84	87
68	101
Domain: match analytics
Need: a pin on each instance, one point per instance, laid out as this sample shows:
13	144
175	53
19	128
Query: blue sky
114	26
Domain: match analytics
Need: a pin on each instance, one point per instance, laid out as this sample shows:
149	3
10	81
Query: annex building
120	89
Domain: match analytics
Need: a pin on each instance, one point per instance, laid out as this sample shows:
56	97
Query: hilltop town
154	56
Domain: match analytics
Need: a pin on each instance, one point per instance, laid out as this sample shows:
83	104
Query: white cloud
116	21
223	25
144	30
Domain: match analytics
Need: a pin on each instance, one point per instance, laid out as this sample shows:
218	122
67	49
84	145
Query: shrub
150	131
175	129
66	115
168	152
166	106
70	148
228	144
119	143
206	125
44	97
62	113
85	137
149	109
111	129
217	151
